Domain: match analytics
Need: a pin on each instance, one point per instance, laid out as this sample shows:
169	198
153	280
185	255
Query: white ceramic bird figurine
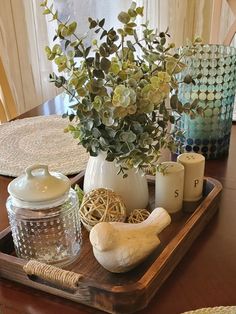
119	246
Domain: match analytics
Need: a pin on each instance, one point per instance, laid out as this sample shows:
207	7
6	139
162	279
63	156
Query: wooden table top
205	277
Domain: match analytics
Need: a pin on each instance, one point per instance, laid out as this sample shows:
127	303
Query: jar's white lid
39	187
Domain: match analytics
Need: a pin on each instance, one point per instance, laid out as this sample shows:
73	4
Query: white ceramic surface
103	174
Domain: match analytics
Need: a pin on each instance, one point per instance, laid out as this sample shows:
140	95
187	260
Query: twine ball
101	205
138	215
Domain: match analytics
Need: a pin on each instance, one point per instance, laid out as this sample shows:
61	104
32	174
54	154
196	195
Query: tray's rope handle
65	278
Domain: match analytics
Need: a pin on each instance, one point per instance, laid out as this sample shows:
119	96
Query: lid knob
29	170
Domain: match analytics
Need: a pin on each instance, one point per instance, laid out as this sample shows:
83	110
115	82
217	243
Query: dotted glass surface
51	236
215	90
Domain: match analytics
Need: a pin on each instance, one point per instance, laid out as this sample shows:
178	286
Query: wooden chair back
232	30
7	103
217	21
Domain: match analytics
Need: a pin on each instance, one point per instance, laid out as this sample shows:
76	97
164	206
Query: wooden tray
132	291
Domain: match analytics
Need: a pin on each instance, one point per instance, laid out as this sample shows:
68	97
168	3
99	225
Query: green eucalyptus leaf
43	4
162	124
105	64
103	51
90	61
71	117
130	45
124	17
113	48
81	91
114	68
132	13
163	41
75	43
98	73
172	119
104	33
180	107
46	11
127	136
173	101
132	24
128	30
139	11
61	60
93	23
55	16
70	54
110	156
188	79
47	50
194	104
67	43
78	53
122	75
87	50
110	132
96	132
101	23
64	31
121	32
72	27
103	141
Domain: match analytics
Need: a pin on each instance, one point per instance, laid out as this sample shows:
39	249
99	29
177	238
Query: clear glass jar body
51	235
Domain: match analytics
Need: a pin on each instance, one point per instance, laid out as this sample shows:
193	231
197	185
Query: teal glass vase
215	92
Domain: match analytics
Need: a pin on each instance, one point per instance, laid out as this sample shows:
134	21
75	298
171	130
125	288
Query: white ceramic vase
103	174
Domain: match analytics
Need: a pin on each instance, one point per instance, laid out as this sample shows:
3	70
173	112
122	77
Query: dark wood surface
206	276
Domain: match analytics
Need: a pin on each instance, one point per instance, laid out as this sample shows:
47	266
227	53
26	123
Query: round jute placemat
39	140
214	310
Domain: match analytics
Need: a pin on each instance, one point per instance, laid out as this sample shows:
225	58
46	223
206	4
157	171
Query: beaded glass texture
215	91
52	235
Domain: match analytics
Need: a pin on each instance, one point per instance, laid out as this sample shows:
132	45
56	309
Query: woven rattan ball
138	215
101	205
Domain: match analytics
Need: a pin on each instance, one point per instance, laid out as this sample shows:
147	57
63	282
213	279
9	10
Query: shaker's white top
190	158
171	167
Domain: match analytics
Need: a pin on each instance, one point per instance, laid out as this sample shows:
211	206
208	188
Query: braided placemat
39	140
214	310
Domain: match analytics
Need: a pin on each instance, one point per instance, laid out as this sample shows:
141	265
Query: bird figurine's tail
158	219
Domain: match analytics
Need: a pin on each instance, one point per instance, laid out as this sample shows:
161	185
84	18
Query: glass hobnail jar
43	215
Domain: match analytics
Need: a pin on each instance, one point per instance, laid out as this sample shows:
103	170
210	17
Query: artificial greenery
119	85
80	193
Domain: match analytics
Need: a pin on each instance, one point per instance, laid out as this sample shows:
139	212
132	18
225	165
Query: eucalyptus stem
80	42
69	92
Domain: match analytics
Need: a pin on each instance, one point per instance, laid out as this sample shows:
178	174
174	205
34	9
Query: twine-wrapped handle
55	275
